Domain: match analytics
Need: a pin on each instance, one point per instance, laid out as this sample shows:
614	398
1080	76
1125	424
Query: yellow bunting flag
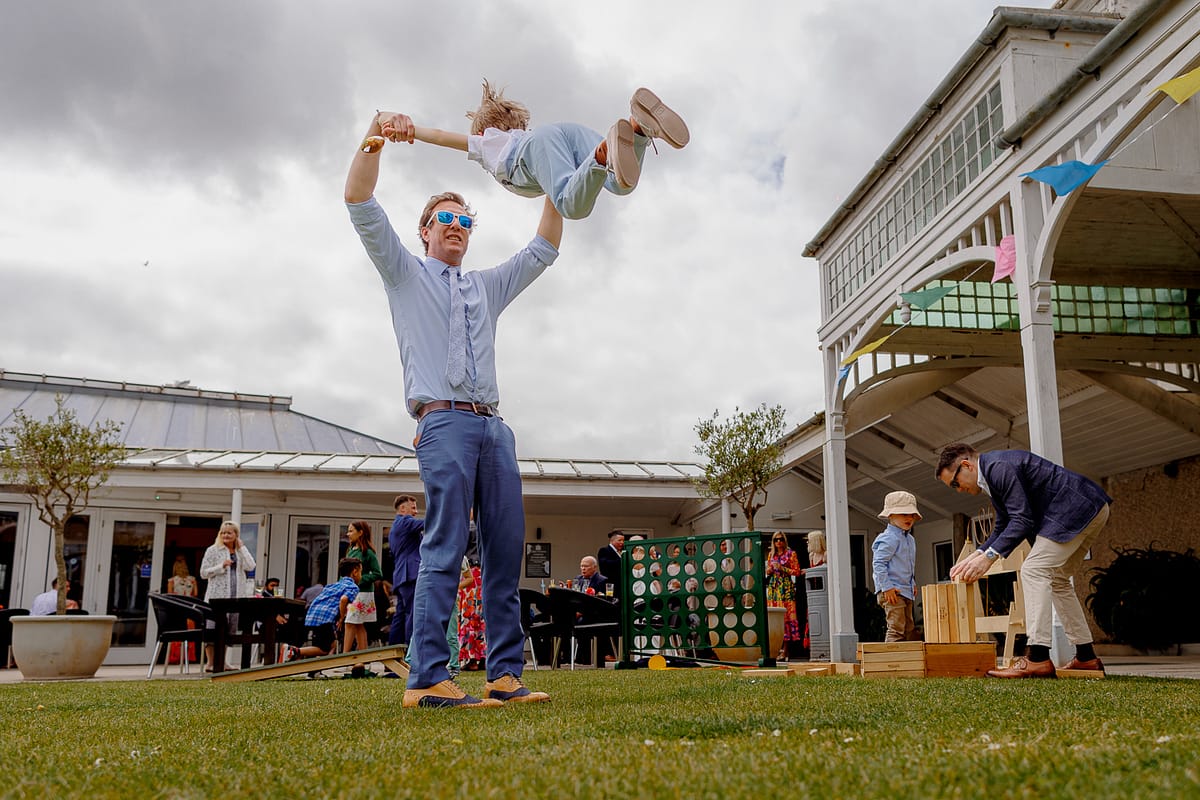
862	351
1183	87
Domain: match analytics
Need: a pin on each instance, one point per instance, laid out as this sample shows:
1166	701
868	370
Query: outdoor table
250	610
582	614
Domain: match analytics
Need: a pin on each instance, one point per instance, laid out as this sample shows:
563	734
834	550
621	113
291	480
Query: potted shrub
1142	598
57	463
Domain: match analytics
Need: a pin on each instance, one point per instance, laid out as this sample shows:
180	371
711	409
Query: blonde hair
816	541
496	111
180	569
227	525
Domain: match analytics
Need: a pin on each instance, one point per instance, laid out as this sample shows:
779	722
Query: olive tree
57	463
741	455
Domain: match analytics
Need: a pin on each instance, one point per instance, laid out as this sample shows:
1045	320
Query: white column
1037	350
725	507
1037	328
843	640
235	514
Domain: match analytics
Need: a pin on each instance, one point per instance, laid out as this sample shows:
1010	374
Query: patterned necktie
456	358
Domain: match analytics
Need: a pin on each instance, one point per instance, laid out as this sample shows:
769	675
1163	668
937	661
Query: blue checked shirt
328	604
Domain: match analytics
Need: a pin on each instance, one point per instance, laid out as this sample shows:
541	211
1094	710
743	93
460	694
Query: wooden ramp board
390	656
765	672
1094	674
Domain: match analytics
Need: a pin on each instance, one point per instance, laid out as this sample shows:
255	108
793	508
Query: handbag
362	610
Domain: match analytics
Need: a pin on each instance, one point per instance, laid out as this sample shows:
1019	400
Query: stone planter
61	648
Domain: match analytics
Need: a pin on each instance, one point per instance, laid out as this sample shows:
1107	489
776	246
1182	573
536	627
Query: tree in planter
1142	598
741	454
57	463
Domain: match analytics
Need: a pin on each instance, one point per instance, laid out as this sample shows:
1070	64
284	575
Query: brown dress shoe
1092	664
1024	668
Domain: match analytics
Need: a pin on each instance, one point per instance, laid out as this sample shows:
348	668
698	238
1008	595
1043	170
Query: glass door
9	523
314	539
130	544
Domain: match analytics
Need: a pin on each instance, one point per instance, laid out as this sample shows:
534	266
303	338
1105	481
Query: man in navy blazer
405	541
1060	513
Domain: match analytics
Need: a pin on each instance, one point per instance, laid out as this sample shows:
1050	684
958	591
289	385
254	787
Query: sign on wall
537	559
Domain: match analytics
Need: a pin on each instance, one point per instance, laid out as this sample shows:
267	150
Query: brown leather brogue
1024	668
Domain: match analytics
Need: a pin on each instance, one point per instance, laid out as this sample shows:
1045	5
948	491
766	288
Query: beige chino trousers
1045	578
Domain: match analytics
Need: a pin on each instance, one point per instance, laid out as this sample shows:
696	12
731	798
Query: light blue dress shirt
418	291
894	562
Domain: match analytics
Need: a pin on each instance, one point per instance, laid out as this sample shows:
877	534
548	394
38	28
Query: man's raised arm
364	169
551	226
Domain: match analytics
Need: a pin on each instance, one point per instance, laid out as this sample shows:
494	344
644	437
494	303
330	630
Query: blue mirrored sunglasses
448	217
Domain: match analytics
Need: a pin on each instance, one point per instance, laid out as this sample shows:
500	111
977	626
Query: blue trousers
561	159
400	631
468	462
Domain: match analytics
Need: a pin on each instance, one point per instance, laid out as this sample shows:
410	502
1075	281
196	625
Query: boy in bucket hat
894	563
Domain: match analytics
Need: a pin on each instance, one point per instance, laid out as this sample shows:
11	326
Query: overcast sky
211	140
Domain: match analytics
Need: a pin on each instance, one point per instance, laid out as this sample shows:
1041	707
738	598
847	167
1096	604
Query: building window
944	173
1124	310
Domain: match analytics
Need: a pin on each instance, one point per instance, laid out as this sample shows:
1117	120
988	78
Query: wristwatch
991	553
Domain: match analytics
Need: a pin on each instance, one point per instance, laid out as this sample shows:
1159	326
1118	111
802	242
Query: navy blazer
609	563
404	539
1036	497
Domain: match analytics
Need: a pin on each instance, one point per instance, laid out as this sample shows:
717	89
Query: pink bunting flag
1006	258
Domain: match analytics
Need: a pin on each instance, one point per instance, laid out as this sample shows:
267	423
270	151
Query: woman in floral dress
783	567
472	651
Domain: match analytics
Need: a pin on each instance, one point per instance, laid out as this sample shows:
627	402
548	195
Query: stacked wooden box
926	659
950	610
959	660
892	659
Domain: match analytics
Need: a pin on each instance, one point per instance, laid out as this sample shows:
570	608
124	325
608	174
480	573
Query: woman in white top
182	581
225	567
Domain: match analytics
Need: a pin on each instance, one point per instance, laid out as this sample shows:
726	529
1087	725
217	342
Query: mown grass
673	734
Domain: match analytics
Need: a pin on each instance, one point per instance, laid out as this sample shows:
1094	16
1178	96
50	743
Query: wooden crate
958	660
892	659
950	612
815	669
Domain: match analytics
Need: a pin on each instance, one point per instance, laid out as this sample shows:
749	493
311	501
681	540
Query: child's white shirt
493	150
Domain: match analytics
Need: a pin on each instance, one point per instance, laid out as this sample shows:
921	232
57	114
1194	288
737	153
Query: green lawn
679	733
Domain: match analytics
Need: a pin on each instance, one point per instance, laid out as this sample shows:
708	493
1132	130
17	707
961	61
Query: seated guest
590	578
589	575
327	612
271	587
46	603
311	593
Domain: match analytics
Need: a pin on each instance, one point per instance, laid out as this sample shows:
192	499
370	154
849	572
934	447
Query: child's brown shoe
657	120
622	160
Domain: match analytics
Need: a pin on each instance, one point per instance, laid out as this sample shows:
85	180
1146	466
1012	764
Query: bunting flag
1183	87
1006	258
868	348
926	298
1066	177
843	372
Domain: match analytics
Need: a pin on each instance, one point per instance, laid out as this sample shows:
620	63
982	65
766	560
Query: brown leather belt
478	409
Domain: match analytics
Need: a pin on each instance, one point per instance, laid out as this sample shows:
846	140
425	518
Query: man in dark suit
405	541
1060	513
609	559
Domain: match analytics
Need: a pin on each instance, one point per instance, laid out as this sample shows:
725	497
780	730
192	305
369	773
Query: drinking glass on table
608	590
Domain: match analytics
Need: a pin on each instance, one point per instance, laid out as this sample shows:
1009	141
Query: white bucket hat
899	503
